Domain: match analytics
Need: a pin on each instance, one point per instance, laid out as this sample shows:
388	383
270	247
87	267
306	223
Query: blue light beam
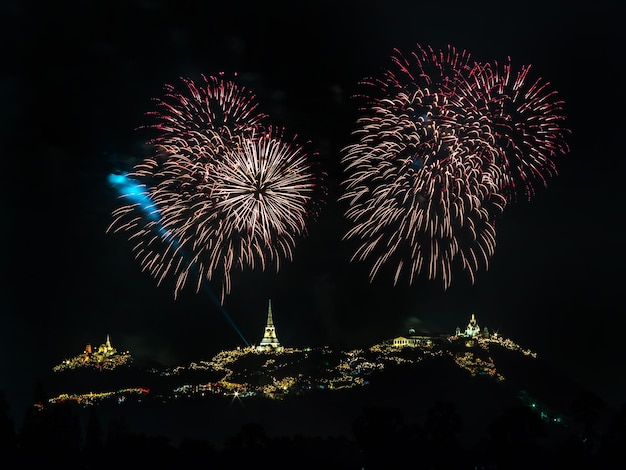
136	194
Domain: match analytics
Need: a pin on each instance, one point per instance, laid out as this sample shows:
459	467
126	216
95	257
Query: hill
321	391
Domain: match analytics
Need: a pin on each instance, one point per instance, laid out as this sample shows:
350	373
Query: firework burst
225	192
434	163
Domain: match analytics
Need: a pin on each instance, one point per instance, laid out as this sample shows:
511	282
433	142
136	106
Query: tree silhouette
443	426
93	435
8	437
51	435
587	410
246	447
516	437
614	440
193	451
382	435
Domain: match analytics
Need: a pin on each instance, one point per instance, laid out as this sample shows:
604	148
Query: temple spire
270	320
472	327
270	340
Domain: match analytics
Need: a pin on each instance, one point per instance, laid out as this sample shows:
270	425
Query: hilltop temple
270	340
426	340
472	330
104	356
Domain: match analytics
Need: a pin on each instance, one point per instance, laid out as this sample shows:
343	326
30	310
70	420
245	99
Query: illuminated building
105	350
413	340
472	329
270	340
104	357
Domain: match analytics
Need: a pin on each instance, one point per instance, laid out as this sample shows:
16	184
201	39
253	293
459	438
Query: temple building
104	356
270	340
472	330
104	351
471	333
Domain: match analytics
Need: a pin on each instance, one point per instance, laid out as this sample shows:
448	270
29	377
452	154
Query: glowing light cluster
104	357
222	191
443	145
92	398
294	371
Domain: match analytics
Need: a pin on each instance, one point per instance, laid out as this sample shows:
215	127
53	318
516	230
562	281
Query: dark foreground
452	423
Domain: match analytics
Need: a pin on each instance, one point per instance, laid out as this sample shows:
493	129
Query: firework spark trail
216	104
525	119
230	192
424	69
439	151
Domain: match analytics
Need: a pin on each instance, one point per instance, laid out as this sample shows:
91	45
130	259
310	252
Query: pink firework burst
439	149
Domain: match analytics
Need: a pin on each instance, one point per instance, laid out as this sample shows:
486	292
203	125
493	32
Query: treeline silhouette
595	437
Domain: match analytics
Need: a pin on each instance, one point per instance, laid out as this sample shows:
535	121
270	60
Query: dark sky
78	78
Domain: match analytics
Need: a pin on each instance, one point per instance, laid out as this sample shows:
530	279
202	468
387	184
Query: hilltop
326	389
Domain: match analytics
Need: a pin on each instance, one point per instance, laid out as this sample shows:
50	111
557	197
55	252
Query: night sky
78	78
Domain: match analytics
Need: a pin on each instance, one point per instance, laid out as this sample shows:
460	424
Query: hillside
320	392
